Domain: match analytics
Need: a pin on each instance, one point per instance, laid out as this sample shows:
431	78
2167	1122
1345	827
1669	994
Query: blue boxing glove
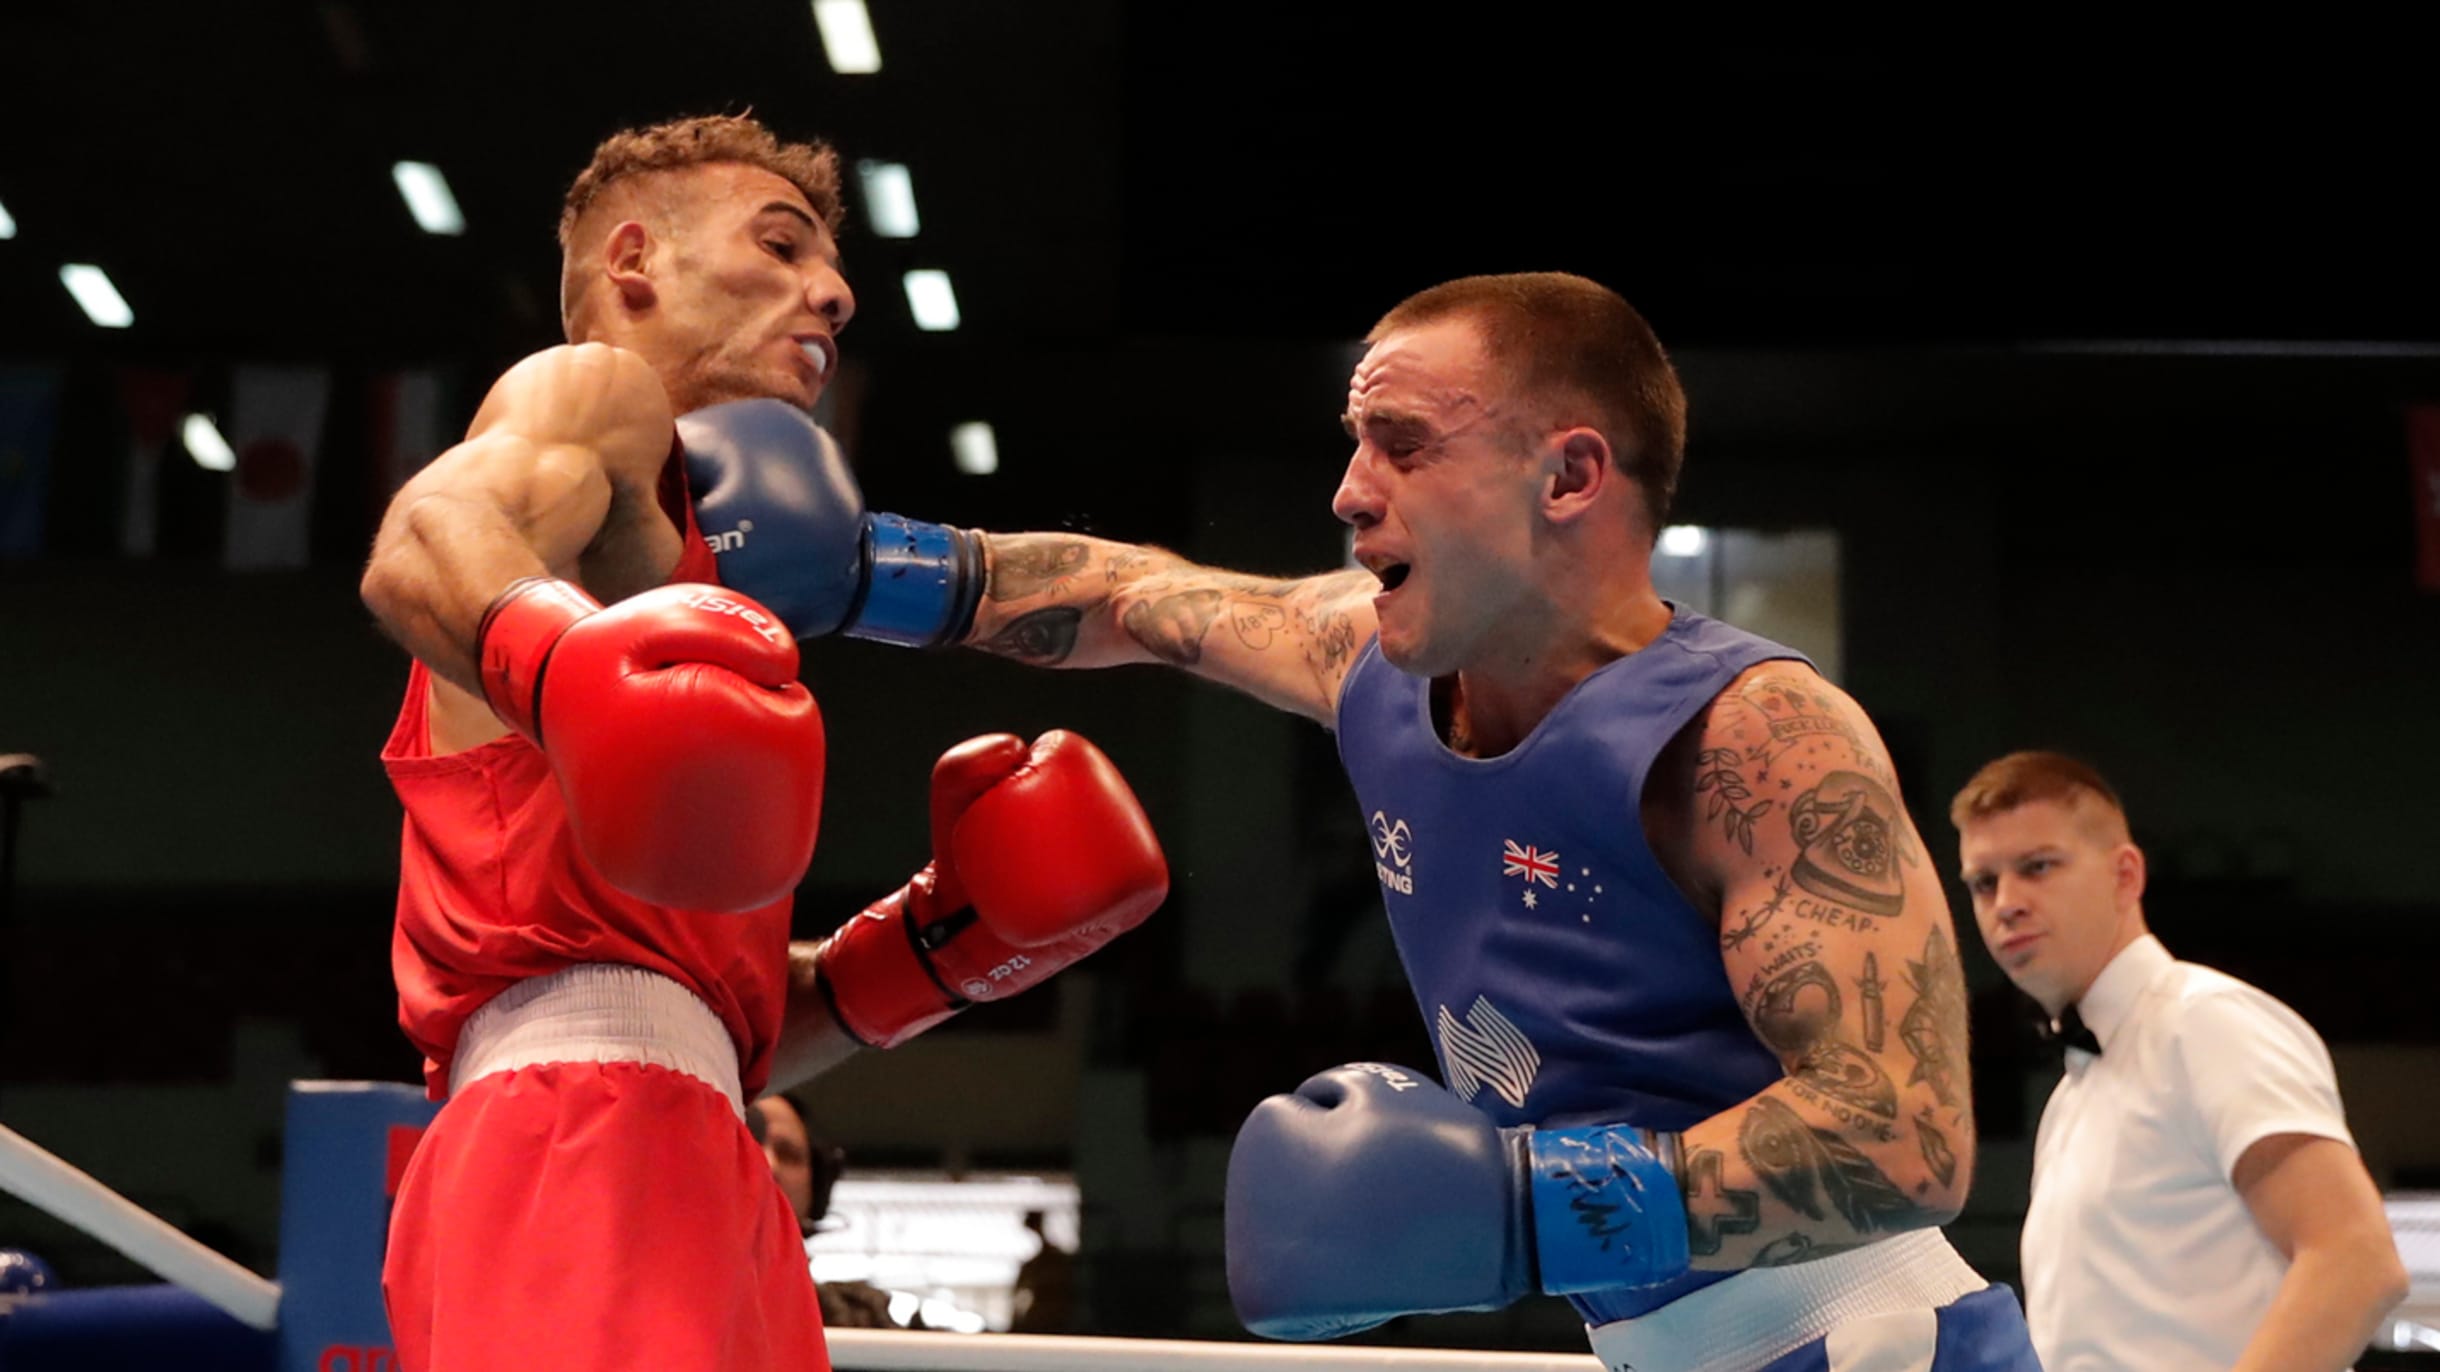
781	511
1373	1193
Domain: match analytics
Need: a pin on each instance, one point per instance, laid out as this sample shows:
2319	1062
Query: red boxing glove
1040	857
689	757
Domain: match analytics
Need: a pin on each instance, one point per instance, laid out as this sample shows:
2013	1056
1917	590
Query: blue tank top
1563	977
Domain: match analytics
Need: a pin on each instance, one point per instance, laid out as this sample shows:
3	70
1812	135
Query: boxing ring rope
905	1350
52	1184
45	1181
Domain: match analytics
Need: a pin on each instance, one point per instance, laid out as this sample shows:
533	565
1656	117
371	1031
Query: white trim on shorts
599	1012
1767	1312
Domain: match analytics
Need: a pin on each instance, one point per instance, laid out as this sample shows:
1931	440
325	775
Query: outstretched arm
1836	936
1063	600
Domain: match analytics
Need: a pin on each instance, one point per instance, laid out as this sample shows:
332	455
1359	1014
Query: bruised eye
781	248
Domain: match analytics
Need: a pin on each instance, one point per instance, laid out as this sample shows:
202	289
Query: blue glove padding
781	511
1373	1193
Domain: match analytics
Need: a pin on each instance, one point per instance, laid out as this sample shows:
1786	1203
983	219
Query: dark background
2094	348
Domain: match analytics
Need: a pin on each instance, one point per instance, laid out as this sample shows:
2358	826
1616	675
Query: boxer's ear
626	257
1578	466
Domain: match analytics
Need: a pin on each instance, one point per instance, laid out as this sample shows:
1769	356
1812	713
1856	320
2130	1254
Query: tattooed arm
1059	600
1836	935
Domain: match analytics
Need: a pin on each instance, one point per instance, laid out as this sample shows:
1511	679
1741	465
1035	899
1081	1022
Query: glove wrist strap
923	584
878	981
514	642
1608	1211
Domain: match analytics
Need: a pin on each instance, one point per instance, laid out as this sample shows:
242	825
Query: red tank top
492	890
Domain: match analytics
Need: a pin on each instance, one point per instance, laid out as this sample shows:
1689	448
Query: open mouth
1393	576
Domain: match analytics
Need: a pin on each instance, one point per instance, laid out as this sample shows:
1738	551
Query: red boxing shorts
589	1198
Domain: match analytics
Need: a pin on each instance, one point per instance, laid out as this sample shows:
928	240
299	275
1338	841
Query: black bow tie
2070	1032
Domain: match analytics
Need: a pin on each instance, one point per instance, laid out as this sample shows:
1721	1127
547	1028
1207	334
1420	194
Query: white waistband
1761	1313
598	1012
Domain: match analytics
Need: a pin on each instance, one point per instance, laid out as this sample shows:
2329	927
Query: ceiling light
204	443
101	301
934	304
978	451
889	198
1683	540
847	36
428	198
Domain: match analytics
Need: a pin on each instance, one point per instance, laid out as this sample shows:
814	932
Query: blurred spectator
23	1276
807	1166
1045	1301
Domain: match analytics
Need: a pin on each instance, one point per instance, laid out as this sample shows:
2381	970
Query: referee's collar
2111	998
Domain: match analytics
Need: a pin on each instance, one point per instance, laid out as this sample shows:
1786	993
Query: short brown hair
1557	333
2026	777
811	167
703	140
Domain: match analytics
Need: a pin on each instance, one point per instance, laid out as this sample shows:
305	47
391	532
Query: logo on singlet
1485	1049
1393	859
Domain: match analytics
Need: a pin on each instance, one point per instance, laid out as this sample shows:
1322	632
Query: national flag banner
406	429
1529	862
275	426
29	421
154	403
2423	450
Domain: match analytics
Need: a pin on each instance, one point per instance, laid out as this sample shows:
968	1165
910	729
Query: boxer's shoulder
1669	810
590	396
1772	735
1783	702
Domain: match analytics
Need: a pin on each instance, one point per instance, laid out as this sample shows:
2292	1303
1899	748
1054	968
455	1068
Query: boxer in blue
1690	971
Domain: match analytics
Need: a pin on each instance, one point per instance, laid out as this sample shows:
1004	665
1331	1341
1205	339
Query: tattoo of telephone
1854	844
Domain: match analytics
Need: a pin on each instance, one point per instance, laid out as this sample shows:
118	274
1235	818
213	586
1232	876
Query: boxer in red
612	779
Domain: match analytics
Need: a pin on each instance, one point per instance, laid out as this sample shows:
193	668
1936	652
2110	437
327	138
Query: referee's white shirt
2138	1251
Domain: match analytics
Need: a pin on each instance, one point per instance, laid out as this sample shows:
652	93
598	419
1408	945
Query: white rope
42	1179
915	1350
